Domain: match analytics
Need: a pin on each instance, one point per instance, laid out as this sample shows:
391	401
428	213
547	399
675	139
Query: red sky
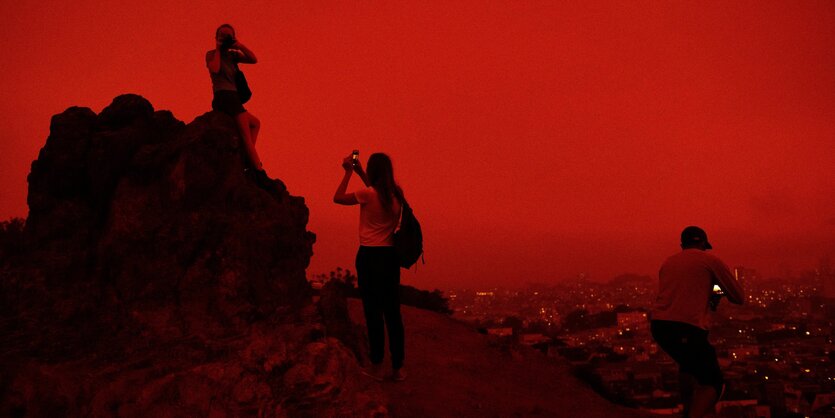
535	140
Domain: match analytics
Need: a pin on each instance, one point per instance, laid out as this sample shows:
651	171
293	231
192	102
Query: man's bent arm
733	290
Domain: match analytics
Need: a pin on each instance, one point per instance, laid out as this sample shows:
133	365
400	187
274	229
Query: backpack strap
403	205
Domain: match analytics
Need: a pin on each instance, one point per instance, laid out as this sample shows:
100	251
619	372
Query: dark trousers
378	276
688	345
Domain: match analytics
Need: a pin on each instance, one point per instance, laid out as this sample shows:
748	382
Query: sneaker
398	375
374	371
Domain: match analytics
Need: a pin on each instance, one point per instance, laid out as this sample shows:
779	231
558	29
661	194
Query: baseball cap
694	235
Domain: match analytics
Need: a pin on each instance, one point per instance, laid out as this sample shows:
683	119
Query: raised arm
245	55
340	197
360	172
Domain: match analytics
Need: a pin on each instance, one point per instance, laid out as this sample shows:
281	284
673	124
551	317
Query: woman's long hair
381	176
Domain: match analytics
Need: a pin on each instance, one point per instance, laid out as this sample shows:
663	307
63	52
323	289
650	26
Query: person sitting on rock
378	269
223	65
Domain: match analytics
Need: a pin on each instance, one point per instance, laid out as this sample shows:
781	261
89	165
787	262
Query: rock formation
157	278
154	278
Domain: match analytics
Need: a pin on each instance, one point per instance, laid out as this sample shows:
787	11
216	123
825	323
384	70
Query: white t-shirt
376	224
685	284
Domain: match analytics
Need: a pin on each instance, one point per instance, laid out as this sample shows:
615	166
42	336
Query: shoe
374	371
398	375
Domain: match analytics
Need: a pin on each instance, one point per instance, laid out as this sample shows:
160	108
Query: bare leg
704	400
246	133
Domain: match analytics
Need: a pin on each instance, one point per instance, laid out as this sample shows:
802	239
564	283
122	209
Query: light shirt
224	79
376	224
685	285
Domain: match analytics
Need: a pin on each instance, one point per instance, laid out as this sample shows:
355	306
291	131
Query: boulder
156	277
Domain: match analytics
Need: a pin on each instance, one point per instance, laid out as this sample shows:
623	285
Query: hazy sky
535	140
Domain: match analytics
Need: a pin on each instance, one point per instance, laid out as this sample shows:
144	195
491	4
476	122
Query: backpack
408	239
242	86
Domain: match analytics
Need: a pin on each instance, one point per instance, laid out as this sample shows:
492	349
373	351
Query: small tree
424	299
343	279
11	238
346	281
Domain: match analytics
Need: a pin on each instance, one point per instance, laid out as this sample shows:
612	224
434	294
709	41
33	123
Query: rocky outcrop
157	278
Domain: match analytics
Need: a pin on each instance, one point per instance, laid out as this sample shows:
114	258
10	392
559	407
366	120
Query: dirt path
456	372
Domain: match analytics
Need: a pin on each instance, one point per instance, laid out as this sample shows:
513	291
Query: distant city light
595	320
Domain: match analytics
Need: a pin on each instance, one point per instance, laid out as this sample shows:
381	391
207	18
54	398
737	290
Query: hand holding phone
716	297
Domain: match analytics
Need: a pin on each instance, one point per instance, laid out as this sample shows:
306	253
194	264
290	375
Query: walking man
681	318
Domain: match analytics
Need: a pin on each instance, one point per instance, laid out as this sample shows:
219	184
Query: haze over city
535	142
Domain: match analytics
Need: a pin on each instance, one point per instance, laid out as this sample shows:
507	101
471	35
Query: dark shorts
688	346
228	101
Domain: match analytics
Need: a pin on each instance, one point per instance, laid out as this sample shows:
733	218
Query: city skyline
776	349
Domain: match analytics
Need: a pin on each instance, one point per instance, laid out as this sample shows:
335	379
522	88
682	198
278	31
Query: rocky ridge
157	278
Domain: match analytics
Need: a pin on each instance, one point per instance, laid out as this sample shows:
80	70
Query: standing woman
378	271
223	65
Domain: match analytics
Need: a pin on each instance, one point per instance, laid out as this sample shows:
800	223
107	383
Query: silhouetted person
223	65
378	270
681	318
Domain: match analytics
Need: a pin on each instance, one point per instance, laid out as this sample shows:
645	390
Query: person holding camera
223	65
680	318
378	269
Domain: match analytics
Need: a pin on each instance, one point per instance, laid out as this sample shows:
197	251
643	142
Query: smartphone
355	156
717	290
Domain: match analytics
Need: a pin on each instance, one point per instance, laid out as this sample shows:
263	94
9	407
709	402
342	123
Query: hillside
457	372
